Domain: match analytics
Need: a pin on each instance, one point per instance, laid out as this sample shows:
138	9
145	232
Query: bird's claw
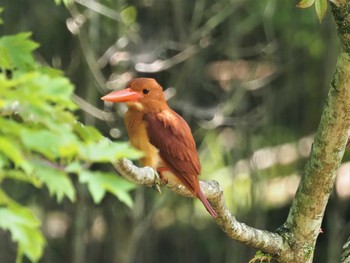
261	257
156	185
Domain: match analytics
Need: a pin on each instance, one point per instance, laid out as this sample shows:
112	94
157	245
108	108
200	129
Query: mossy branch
305	217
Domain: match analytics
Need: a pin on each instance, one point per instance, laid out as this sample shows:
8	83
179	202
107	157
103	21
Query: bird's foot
157	183
161	170
261	257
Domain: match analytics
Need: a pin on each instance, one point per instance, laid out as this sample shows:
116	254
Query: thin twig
101	9
92	110
160	65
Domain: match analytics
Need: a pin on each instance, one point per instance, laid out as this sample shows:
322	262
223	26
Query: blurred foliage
320	7
66	2
43	144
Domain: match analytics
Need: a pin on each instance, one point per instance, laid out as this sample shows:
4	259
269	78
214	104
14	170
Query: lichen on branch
264	240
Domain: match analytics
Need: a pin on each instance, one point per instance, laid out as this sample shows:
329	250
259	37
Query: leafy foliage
1	21
320	7
65	2
100	182
42	144
24	227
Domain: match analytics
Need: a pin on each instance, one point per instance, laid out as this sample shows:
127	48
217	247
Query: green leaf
129	15
100	182
9	149
20	176
44	91
54	89
13	152
42	141
305	3
50	144
52	72
321	8
1	10
24	228
39	99
74	167
10	127
57	181
5	60
3	163
19	48
107	151
65	2
87	133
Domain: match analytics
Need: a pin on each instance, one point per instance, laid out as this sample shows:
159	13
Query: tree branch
345	256
307	211
267	241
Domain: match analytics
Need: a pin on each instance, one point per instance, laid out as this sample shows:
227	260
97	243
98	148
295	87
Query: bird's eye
145	91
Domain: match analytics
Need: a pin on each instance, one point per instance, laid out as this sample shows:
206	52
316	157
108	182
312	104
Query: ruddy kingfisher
161	134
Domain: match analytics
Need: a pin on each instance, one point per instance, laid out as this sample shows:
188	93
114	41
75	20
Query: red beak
125	95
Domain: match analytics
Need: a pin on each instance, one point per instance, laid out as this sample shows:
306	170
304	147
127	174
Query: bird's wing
172	136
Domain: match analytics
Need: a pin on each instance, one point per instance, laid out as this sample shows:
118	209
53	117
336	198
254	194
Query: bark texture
306	214
264	240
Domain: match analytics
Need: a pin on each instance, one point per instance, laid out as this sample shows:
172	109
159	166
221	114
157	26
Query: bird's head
143	94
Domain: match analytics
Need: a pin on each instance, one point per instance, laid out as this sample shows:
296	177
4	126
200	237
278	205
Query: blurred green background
250	77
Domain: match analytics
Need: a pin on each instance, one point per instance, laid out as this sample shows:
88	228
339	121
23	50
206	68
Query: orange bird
158	131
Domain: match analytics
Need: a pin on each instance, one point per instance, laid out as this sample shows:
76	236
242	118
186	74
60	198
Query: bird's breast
139	139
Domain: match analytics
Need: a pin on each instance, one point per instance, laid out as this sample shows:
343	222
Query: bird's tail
205	202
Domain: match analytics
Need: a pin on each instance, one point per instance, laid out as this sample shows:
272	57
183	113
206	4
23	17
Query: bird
161	134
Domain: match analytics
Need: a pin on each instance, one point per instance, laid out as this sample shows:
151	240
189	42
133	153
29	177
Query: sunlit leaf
100	182
74	167
65	2
20	176
1	21
24	228
10	127
49	144
54	89
5	61
94	182
321	8
42	89
305	3
129	15
57	181
44	142
107	151
52	72
11	150
3	162
87	133
19	49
